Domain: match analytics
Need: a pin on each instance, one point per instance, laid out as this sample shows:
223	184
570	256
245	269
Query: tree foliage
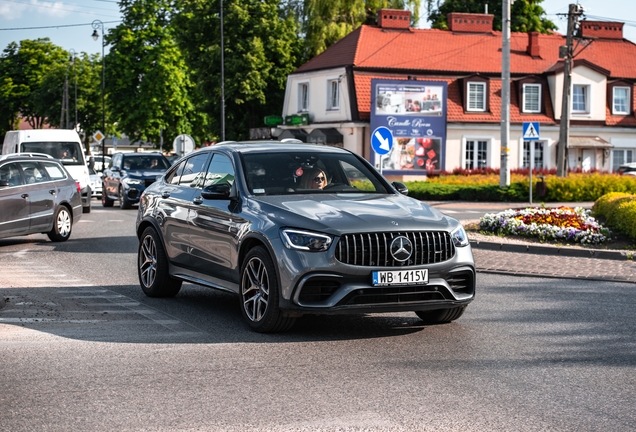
147	80
23	68
525	15
260	49
327	21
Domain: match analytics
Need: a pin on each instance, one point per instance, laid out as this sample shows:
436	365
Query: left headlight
132	181
305	240
459	236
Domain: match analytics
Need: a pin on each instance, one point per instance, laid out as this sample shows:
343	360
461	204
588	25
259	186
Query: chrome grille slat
372	249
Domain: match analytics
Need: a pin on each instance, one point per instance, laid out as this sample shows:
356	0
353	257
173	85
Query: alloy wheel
148	261
255	289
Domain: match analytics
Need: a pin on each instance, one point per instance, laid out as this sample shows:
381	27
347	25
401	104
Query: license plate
400	277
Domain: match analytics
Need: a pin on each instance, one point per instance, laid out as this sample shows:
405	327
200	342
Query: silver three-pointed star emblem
401	248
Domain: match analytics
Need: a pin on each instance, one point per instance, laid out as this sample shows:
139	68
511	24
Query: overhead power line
55	26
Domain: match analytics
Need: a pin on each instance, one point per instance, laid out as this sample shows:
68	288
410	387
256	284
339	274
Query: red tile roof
374	52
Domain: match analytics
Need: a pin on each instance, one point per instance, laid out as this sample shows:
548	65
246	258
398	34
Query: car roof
27	156
273	145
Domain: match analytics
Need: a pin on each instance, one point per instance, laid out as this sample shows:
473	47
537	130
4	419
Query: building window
621	100
532	98
621	157
538	154
476	96
476	154
580	99
333	98
303	97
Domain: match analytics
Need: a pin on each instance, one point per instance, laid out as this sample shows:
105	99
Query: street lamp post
97	24
73	56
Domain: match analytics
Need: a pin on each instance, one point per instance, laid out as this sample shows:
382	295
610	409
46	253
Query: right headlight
305	240
459	236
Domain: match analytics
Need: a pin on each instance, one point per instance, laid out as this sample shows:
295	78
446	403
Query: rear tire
260	293
441	316
87	209
152	267
62	225
106	202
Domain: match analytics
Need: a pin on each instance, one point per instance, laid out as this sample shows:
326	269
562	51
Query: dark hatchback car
129	175
299	228
37	195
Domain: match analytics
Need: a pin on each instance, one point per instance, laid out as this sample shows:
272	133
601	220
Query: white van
62	144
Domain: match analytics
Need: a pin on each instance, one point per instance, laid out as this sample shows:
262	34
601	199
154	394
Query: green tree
147	80
23	68
526	15
327	21
261	49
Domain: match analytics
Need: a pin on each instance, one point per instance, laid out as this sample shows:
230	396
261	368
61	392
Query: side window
54	171
33	173
174	176
11	173
220	171
116	162
193	170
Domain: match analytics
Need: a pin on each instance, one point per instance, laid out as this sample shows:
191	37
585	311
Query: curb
551	250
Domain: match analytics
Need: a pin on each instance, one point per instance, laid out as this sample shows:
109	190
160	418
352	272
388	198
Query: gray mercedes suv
300	228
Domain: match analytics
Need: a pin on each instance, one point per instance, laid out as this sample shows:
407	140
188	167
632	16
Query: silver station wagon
37	195
296	229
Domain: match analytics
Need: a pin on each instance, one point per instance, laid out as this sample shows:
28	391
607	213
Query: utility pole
566	52
504	169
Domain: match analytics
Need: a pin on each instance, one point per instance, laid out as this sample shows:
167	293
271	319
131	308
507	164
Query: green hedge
619	211
574	188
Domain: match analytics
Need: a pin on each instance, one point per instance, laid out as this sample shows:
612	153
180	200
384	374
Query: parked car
627	169
96	183
37	195
62	144
128	176
244	218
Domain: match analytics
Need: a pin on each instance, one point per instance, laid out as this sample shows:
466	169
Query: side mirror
115	168
217	191
4	183
401	188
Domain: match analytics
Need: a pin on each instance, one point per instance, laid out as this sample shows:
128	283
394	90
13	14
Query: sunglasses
319	179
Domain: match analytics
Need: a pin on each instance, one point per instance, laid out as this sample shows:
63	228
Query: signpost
531	133
382	142
183	144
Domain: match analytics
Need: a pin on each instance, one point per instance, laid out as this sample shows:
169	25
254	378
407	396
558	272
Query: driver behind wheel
315	178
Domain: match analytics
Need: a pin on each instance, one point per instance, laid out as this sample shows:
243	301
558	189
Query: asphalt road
81	348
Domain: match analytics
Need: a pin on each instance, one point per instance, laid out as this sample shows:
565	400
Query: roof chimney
469	22
394	19
533	44
602	29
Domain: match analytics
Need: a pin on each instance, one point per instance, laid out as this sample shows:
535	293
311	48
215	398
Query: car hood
339	213
144	174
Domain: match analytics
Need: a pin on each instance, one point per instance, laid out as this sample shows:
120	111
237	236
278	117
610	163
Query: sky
67	23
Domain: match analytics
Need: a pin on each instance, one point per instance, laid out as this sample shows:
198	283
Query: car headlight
132	181
459	236
305	240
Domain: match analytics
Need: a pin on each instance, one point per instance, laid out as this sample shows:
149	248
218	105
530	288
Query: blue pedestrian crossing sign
382	140
530	131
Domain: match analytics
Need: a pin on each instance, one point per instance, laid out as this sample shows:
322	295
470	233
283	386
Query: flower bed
564	224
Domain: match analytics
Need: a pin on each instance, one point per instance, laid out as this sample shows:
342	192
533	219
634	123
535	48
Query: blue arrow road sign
530	131
382	140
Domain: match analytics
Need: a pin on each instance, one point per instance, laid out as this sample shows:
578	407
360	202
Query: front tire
152	267
441	316
62	225
260	291
124	204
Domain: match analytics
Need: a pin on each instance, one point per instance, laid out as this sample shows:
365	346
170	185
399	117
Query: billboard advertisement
415	112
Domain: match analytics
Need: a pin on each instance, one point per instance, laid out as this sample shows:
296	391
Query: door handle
24	196
198	200
165	194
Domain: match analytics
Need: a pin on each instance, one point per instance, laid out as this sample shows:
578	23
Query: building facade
335	91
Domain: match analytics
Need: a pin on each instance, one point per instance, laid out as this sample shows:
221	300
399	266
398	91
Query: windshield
145	162
304	172
70	153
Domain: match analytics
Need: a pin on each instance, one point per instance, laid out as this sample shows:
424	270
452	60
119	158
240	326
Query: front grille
406	294
372	249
